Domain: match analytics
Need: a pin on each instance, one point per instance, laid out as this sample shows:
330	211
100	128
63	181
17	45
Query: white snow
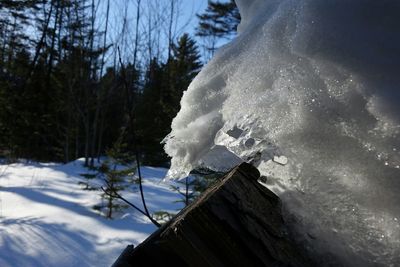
318	82
46	219
280	160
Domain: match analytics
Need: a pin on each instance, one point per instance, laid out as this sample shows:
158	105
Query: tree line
75	78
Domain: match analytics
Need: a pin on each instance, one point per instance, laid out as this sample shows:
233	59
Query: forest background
77	77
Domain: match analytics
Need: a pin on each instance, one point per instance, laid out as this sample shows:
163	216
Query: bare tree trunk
67	134
136	33
40	43
149	36
87	140
52	45
60	25
101	130
110	203
91	36
100	140
77	144
89	146
100	95
171	22
105	38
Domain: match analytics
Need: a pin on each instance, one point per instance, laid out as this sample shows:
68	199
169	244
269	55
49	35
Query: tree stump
236	222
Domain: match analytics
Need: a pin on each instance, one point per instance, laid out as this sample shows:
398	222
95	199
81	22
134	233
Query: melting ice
309	92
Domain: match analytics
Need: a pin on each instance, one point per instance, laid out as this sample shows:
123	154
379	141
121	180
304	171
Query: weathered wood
236	222
123	259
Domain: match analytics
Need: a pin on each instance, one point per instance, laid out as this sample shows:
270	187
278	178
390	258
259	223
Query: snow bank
316	85
46	219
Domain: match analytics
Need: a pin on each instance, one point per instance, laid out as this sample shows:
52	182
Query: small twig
131	123
115	194
141	185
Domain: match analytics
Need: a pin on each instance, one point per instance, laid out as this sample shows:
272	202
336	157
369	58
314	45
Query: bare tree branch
116	195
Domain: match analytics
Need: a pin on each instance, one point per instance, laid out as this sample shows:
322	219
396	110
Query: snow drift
47	220
309	92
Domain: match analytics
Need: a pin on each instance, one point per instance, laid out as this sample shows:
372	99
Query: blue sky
190	8
186	21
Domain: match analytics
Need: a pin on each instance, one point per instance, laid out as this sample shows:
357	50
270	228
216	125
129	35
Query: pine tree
14	66
163	89
14	18
185	189
88	178
152	122
220	20
184	66
79	92
47	79
115	172
57	103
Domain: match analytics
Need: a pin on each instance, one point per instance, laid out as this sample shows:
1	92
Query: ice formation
309	92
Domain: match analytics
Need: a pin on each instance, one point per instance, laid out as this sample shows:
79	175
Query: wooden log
236	222
123	259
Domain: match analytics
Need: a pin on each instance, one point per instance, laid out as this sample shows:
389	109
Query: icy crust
309	92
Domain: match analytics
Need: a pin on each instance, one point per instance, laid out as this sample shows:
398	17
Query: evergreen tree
164	87
86	183
56	101
220	20
152	123
49	91
14	18
185	189
184	66
14	66
115	171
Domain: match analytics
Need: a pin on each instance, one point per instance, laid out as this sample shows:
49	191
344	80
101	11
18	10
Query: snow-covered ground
46	219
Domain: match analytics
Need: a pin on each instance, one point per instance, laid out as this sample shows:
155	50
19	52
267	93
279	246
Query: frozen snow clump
309	92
